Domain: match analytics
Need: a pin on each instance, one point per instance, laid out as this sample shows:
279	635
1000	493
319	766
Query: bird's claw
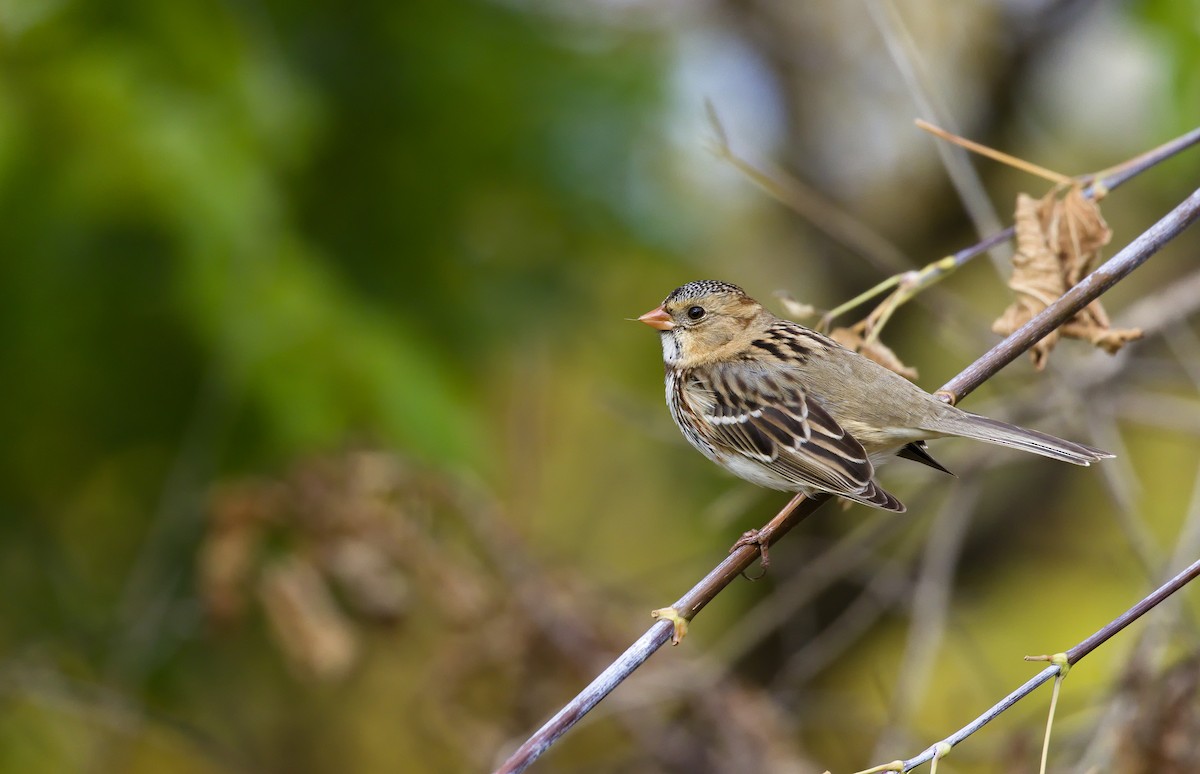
759	539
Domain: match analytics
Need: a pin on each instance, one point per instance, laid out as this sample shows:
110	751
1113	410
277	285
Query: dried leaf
1058	243
796	309
306	622
1092	325
854	338
368	578
1037	278
332	520
227	557
1078	232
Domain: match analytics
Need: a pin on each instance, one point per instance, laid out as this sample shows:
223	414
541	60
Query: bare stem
909	283
996	155
1098	183
1091	287
1073	656
838	224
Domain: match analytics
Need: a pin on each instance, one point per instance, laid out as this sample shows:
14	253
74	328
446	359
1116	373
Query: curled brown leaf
1058	241
855	338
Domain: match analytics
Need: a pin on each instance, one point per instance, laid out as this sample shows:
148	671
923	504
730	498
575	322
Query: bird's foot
760	539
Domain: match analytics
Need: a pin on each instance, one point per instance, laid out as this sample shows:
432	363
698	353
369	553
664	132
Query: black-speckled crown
701	288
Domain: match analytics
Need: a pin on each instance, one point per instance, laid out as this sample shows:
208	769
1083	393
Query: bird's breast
682	411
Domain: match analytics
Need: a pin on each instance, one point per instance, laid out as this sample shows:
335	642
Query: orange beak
657	318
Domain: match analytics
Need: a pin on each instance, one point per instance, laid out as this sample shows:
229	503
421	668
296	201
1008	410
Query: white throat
670	348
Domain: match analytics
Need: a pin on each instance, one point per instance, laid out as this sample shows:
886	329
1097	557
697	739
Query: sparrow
788	408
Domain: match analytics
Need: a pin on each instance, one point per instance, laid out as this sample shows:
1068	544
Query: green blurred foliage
1173	22
238	233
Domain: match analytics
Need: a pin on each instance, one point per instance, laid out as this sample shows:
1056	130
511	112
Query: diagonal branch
1091	287
908	284
1067	660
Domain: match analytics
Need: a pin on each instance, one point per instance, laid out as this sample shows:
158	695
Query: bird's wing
767	416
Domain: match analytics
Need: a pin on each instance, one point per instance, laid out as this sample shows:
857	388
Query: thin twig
658	635
1150	650
1072	657
931	606
1050	720
1090	288
836	223
855	550
912	282
1106	181
907	58
996	155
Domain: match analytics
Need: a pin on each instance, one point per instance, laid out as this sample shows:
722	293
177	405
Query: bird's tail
1002	433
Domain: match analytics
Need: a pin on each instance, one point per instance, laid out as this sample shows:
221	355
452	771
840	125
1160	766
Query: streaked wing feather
770	419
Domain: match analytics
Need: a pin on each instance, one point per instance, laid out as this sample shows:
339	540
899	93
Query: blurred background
327	444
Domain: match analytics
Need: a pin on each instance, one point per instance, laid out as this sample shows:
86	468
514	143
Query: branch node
1060	660
946	396
679	622
940	750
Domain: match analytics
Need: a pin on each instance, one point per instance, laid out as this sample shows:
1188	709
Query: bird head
703	320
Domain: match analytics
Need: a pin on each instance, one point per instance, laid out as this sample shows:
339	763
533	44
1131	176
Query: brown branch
909	284
1104	182
1091	287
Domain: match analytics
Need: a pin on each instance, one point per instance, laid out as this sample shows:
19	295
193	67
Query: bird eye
695	312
